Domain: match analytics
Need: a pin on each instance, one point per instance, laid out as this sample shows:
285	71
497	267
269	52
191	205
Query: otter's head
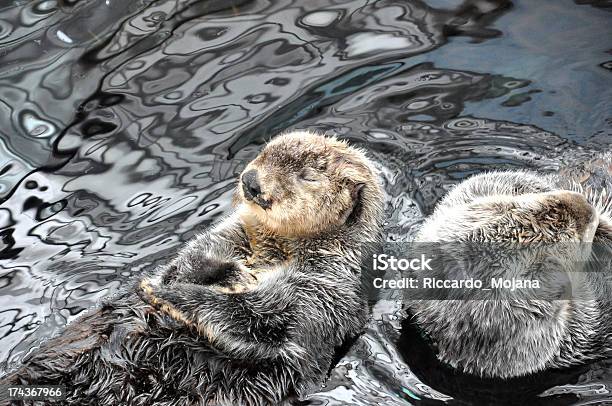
303	184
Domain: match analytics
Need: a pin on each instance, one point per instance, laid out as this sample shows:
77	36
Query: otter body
248	313
524	226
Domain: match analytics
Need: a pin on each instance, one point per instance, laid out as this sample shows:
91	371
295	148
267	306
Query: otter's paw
185	295
176	300
196	267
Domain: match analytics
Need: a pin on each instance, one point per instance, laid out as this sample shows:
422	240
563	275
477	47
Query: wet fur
244	314
504	337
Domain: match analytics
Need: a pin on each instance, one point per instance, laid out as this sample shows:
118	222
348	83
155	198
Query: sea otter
248	313
518	226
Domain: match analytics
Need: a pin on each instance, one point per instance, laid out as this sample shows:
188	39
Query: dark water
123	125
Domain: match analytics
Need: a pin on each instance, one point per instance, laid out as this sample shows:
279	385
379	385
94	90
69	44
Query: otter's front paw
199	269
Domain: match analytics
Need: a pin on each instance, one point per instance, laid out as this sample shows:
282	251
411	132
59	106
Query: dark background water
123	125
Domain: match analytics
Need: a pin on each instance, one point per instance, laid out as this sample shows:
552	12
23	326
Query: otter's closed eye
309	175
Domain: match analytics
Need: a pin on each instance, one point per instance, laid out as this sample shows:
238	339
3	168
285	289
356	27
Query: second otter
524	225
248	313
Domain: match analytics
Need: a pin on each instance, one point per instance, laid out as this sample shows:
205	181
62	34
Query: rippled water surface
123	126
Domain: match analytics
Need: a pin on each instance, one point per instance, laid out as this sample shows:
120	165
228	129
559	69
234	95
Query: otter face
303	184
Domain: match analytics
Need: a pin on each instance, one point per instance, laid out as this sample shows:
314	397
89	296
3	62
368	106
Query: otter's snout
250	185
252	188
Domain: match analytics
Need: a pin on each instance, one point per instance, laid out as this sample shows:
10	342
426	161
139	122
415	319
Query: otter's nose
250	184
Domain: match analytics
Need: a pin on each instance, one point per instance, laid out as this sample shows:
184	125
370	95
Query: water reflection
124	125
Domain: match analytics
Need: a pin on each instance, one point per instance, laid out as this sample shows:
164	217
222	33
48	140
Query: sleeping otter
248	313
529	226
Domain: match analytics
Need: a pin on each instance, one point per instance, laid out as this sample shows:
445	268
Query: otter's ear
353	211
356	192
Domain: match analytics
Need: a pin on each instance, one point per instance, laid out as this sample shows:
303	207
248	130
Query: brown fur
300	208
311	193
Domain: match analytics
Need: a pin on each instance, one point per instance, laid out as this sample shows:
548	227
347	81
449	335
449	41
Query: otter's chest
263	256
266	250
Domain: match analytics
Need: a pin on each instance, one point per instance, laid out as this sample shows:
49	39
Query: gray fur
493	334
179	337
